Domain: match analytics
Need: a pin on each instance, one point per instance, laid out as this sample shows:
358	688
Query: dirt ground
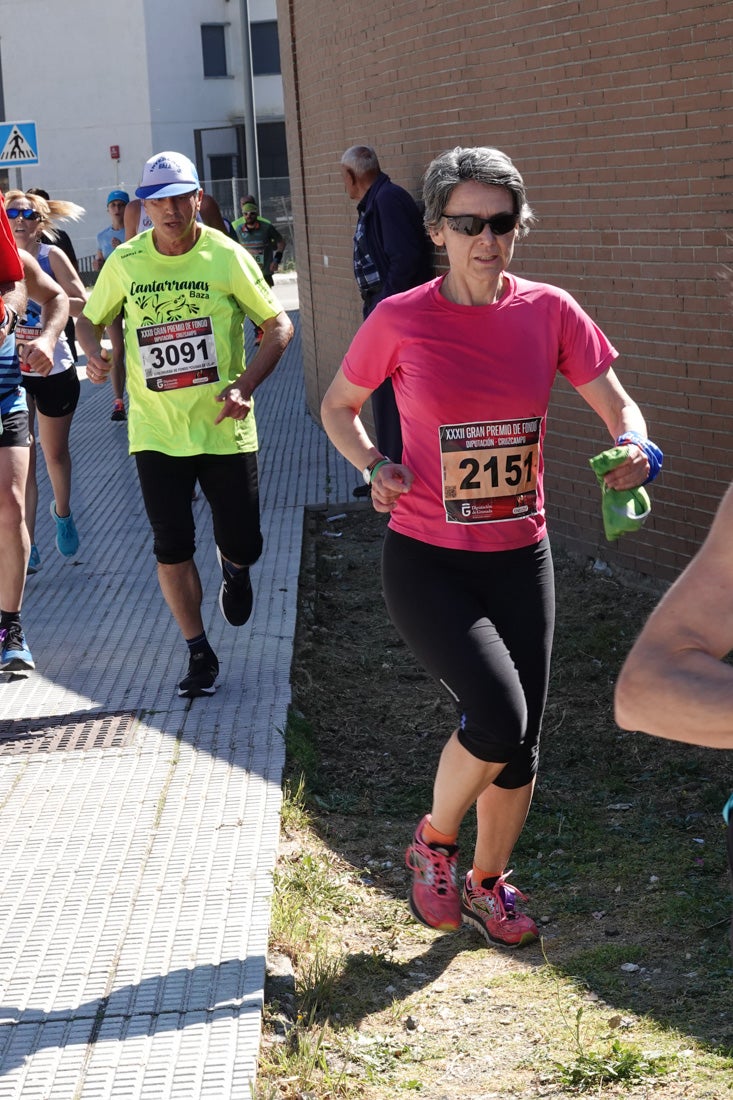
622	856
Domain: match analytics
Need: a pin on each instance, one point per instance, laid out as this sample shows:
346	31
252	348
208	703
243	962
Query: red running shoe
494	914
434	898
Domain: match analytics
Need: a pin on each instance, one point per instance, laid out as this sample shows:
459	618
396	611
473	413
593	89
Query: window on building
224	166
272	151
214	49
265	48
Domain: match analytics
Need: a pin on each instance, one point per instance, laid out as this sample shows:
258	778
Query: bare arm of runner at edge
237	397
15	297
38	353
340	411
675	683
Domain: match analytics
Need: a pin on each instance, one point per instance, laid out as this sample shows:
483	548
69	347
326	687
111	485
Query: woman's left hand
632	472
388	484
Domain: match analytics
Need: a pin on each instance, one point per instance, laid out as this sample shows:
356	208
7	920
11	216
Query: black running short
482	625
56	395
231	486
14	420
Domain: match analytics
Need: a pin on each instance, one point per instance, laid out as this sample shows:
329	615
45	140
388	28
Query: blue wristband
652	453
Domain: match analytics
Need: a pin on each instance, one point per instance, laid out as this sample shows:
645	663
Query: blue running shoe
67	536
15	655
34	561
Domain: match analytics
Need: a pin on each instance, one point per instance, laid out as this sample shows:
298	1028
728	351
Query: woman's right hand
388	484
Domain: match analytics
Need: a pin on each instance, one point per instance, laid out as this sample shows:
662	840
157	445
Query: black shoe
235	595
362	491
203	669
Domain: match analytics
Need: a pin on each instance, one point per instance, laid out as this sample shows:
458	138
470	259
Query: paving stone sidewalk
138	830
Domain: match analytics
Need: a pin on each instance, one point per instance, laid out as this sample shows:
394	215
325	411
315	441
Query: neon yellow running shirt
184	340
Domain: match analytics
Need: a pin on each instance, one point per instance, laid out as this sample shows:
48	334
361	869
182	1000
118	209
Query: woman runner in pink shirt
467	567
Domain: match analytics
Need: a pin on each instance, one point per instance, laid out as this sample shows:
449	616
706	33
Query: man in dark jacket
391	254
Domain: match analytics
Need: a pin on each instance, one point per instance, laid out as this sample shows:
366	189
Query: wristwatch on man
368	472
9	321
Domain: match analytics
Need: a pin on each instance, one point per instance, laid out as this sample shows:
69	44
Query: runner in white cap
186	290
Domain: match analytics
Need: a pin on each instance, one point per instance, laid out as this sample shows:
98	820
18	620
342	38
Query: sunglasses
471	225
27	215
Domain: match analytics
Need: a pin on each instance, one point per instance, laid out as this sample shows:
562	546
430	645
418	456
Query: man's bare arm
674	682
15	297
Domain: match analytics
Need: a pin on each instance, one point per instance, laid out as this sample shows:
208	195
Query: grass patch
623	856
618	1063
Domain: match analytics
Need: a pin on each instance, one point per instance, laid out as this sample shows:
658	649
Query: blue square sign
18	144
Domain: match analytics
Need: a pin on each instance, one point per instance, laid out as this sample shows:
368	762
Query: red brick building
618	116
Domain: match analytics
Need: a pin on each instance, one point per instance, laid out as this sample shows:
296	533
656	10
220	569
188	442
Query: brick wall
617	115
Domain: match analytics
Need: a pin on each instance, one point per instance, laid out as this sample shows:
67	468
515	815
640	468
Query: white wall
96	73
83	81
182	100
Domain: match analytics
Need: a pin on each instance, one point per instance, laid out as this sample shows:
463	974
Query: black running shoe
203	669
235	595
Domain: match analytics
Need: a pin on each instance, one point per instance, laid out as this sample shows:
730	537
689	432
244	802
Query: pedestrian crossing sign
18	145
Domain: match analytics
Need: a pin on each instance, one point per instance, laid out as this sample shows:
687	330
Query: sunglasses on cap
27	215
471	225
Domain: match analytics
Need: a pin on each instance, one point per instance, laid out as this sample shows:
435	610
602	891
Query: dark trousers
384	407
387	421
230	485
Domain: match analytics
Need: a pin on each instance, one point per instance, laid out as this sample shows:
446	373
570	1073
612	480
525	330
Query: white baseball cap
167	174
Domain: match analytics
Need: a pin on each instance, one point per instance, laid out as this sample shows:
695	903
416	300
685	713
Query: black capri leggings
229	483
482	624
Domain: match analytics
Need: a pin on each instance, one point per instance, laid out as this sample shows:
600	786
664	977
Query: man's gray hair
489	166
362	160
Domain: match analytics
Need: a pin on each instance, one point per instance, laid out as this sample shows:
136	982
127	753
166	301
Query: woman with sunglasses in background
466	568
55	395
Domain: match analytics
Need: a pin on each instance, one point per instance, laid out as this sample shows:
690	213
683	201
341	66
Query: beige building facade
618	116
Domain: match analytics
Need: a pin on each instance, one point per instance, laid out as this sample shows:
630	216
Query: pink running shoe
493	912
434	898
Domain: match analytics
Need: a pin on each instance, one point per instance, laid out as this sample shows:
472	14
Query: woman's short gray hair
489	166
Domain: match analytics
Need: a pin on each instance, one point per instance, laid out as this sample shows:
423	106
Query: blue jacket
396	239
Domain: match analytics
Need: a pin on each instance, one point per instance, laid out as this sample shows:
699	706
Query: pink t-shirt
472	385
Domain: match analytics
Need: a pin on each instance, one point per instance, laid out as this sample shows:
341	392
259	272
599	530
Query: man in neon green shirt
185	290
260	238
263	242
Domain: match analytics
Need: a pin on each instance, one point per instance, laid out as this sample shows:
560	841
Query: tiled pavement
138	831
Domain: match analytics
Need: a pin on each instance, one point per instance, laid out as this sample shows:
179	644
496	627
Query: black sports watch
9	322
